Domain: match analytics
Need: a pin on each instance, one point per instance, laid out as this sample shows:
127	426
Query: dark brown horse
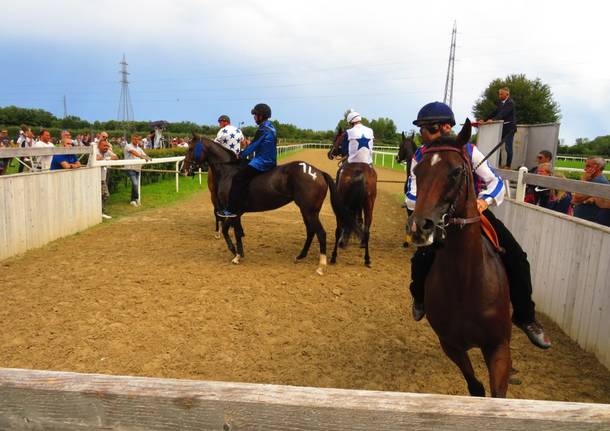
406	150
357	190
466	292
297	182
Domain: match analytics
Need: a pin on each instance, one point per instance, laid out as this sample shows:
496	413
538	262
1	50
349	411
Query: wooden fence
36	208
570	264
69	401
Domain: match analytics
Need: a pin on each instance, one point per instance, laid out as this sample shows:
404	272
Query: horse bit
447	219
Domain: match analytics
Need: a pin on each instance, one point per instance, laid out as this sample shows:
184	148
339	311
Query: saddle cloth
489	232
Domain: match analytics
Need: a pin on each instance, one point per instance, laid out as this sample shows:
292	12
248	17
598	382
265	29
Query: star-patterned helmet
263	110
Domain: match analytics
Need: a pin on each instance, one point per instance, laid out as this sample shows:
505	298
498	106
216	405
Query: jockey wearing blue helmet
435	120
435	113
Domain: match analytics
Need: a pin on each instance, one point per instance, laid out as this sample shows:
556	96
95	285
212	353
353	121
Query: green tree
384	129
534	102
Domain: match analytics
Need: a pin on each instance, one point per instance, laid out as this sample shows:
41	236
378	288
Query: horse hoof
368	264
405	245
236	259
217	235
298	258
320	271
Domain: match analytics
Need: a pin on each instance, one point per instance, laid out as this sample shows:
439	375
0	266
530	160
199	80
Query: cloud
321	57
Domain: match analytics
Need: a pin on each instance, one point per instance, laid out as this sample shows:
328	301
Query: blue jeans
134	176
508	145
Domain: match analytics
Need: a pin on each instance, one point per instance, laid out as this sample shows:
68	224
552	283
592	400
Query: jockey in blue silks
435	120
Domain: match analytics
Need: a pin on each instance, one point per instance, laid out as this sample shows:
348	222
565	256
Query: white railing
139	162
385	159
575	159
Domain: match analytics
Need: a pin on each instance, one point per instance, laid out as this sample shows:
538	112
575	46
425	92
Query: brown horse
357	190
297	182
406	150
466	292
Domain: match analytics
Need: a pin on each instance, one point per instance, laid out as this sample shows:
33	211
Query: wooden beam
32	152
31	399
583	187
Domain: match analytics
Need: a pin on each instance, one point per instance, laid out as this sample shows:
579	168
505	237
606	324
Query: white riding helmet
353	117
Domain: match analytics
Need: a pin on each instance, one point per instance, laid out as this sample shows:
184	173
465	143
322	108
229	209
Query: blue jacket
264	146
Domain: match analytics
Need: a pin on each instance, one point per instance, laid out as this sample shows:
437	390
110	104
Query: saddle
490	233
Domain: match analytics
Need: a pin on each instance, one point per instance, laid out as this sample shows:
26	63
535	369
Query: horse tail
356	192
354	201
339	209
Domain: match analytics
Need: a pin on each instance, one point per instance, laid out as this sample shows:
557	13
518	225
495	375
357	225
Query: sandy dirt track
156	295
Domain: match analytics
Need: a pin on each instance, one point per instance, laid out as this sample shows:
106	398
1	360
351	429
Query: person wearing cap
357	143
229	136
264	147
358	140
436	120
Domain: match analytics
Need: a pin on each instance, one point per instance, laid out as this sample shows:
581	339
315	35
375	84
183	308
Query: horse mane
215	145
445	141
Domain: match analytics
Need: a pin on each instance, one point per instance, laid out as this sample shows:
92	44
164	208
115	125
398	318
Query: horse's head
444	179
335	150
407	148
195	156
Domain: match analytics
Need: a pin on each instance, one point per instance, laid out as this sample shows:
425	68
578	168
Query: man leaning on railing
588	207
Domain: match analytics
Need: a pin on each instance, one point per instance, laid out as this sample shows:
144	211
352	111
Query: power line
125	112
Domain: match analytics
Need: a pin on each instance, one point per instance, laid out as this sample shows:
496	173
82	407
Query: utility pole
65	107
125	112
448	98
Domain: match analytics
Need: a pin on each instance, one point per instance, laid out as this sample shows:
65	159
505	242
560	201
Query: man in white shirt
102	151
44	141
134	151
229	136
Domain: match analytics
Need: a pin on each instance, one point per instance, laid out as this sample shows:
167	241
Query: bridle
448	218
197	161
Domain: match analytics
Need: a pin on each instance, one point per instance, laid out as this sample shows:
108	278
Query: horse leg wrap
322	266
236	259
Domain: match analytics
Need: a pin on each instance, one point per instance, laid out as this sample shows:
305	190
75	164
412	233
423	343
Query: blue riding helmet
435	113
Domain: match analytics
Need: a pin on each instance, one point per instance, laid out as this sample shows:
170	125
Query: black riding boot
520	284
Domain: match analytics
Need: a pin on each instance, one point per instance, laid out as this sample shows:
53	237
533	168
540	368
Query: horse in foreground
466	292
357	190
297	182
406	150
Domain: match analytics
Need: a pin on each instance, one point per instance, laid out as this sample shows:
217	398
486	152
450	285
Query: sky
192	60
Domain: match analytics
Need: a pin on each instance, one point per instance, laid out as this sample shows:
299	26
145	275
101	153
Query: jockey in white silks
358	141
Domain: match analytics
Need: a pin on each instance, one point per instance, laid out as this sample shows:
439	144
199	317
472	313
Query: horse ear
464	135
403	135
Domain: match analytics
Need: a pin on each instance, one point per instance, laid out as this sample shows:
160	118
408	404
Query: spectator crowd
590	208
